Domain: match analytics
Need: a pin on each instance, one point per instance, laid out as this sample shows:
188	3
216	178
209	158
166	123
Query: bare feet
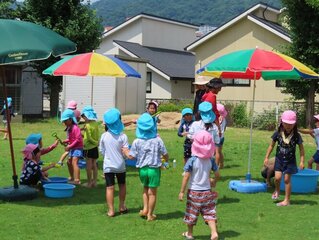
283	204
151	218
187	235
214	236
110	214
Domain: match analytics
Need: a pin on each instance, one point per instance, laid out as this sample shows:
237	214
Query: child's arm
306	131
302	156
52	165
180	130
269	150
50	148
214	180
183	187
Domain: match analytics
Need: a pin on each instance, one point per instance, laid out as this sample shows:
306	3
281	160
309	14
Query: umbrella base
22	193
245	186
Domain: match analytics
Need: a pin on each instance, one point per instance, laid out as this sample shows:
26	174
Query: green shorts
150	177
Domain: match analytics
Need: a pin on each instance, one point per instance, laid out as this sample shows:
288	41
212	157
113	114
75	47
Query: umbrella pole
92	84
248	175
14	176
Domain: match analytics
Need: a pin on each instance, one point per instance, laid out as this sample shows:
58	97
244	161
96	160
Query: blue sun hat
89	112
112	119
206	112
33	138
9	101
187	111
145	127
67	114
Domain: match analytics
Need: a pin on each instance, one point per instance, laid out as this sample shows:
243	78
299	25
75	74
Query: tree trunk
55	88
310	104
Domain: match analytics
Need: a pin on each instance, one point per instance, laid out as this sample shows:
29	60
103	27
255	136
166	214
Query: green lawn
240	216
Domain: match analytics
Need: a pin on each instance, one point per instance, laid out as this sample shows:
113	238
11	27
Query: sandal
125	211
185	234
275	196
110	215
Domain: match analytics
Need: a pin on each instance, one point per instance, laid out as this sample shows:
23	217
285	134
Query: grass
240	216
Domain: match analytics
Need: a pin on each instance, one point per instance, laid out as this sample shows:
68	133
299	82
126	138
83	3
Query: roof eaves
226	25
269	28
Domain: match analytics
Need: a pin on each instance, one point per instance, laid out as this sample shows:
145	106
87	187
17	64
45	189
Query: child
206	123
36	138
219	147
5	120
32	172
91	143
183	130
111	144
72	105
287	137
268	171
75	145
147	150
200	198
152	110
315	133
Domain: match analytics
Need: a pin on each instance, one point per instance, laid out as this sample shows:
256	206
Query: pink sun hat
203	145
289	117
72	105
222	110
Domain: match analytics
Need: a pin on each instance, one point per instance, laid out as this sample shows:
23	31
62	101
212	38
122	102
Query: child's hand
266	162
212	182
56	142
184	134
180	196
67	149
301	165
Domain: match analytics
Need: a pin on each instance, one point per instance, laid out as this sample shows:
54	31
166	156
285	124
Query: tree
73	20
303	18
7	8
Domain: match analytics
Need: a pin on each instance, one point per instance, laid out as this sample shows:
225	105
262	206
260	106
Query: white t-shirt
111	148
316	131
200	172
199	126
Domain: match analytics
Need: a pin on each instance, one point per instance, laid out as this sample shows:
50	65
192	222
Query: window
148	82
236	82
13	81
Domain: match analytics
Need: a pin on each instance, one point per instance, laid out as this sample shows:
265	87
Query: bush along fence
266	113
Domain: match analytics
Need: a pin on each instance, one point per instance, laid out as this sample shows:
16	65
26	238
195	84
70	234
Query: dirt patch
168	120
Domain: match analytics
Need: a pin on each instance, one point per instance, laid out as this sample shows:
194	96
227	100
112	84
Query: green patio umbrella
22	41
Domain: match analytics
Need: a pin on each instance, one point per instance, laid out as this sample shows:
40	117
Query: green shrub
174	105
239	115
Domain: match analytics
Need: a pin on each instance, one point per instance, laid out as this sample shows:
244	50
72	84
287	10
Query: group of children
202	154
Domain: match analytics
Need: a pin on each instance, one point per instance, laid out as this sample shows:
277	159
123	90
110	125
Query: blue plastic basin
54	180
305	181
58	190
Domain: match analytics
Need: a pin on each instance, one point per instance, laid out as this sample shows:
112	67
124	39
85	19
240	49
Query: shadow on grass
226	178
231	166
225	199
221	235
303	202
171	215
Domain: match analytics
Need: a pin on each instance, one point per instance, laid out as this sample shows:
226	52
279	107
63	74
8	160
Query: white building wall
166	35
133	33
181	89
161	87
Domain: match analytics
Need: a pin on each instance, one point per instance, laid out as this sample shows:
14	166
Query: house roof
149	16
271	26
171	64
228	24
